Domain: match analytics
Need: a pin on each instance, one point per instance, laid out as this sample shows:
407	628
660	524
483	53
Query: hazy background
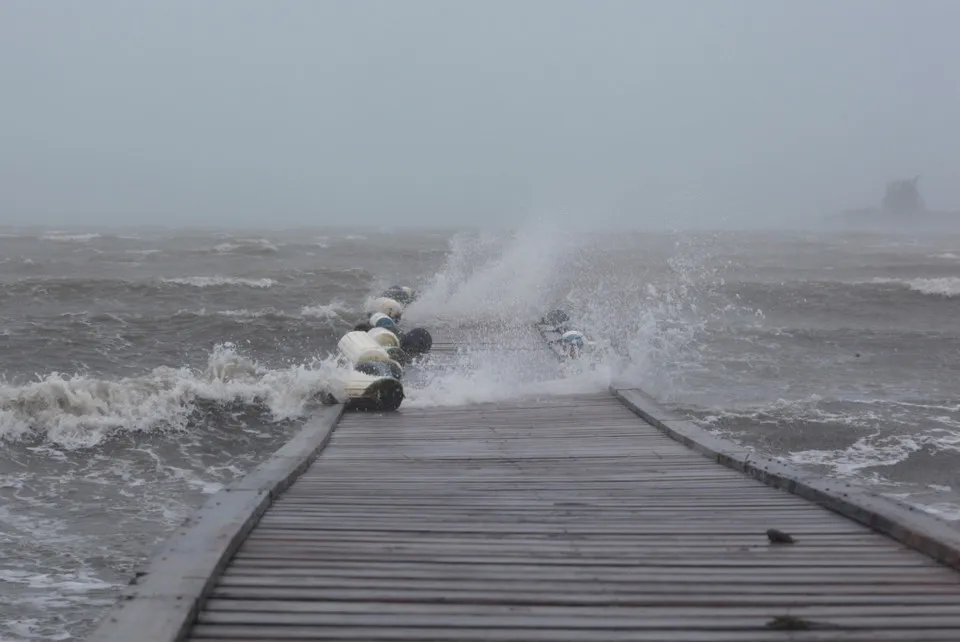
232	112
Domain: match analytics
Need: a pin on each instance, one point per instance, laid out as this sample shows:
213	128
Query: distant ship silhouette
902	207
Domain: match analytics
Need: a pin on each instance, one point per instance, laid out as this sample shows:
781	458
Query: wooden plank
163	599
680	501
795	524
710	500
221	608
406	525
639	586
585	550
653	558
288	557
551	634
611	513
627	572
665	596
706	500
685	516
681	594
763	580
520	478
290	553
645	619
670	479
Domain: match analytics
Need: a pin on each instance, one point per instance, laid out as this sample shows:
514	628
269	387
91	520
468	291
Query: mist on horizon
431	113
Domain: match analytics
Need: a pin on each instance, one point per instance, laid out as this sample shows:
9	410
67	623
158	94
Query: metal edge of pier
163	600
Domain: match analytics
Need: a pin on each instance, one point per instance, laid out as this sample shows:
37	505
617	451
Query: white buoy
384	337
381	320
363	391
389	307
359	347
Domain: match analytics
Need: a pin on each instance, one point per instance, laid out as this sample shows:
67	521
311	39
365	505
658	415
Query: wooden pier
581	518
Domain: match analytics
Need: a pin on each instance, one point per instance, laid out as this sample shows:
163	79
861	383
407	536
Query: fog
312	112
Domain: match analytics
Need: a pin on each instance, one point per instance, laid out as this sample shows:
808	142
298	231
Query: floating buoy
374	382
398	354
381	320
400	293
375	368
416	342
369	392
381	369
389	307
359	348
363	326
384	337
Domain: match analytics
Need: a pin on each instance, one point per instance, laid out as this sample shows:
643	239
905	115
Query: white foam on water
947	511
881	446
947	286
220	281
69	237
867	452
249	314
74	582
332	310
80	412
944	286
246	246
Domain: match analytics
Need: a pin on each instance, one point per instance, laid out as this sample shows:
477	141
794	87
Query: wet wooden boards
561	519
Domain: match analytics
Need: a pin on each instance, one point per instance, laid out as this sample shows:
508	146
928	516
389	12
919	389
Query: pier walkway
560	518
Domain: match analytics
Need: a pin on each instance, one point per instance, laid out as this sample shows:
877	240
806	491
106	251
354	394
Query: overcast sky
287	112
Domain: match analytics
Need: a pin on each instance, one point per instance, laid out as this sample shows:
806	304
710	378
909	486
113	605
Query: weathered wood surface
561	518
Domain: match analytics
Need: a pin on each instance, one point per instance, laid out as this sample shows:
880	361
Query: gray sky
285	112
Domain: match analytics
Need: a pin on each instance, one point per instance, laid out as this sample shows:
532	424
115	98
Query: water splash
646	322
502	277
80	412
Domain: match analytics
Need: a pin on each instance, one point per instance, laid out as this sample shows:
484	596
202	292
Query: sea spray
492	289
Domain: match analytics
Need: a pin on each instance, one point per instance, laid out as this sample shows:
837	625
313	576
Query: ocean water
141	370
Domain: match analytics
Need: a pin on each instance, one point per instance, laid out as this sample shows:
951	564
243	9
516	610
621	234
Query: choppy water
145	369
